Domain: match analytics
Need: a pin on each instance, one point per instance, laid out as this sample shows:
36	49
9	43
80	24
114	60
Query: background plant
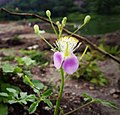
114	50
90	71
11	93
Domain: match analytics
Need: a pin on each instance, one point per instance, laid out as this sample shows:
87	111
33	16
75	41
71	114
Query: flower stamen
67	44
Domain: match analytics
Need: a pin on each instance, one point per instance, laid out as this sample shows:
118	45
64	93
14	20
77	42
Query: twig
84	105
80	38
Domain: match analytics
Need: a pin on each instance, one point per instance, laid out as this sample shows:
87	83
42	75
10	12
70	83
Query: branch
80	38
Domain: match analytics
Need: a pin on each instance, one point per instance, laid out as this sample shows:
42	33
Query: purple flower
65	57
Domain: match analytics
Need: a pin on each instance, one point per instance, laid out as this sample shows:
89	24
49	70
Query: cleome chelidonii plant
64	58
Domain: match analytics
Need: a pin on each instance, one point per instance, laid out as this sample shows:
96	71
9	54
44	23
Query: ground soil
73	87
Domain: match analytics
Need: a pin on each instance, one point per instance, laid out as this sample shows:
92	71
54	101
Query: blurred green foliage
11	93
90	71
61	7
57	7
103	6
39	57
114	50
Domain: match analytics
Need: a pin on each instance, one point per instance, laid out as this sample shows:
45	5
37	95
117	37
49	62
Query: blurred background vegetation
105	11
64	7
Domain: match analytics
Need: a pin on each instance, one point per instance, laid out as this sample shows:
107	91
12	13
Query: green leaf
23	95
31	98
27	80
48	102
19	60
47	93
106	103
28	73
28	61
38	84
23	101
33	107
94	81
11	90
36	91
12	101
3	109
87	97
18	70
4	94
8	68
7	85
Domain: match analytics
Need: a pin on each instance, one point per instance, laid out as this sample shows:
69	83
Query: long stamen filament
77	46
84	52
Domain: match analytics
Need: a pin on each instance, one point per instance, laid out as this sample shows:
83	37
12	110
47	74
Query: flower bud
87	19
36	29
58	23
64	21
48	13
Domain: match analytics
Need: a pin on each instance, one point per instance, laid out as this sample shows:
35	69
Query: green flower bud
58	23
64	20
87	19
36	29
48	13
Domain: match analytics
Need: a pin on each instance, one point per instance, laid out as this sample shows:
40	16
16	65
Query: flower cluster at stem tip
64	55
64	46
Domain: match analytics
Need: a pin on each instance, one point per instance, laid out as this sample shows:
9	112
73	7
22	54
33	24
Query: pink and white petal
58	59
70	64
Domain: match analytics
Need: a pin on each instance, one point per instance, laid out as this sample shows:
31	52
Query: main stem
60	93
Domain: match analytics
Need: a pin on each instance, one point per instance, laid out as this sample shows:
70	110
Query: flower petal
71	64
58	59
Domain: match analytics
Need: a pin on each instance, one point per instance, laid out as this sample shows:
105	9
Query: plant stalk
53	26
60	93
79	107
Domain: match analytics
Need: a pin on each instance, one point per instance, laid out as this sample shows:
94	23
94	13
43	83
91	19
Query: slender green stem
60	31
84	52
78	29
60	93
92	101
53	26
46	42
31	84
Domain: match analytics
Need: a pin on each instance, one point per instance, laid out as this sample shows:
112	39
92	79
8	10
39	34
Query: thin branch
82	106
80	38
